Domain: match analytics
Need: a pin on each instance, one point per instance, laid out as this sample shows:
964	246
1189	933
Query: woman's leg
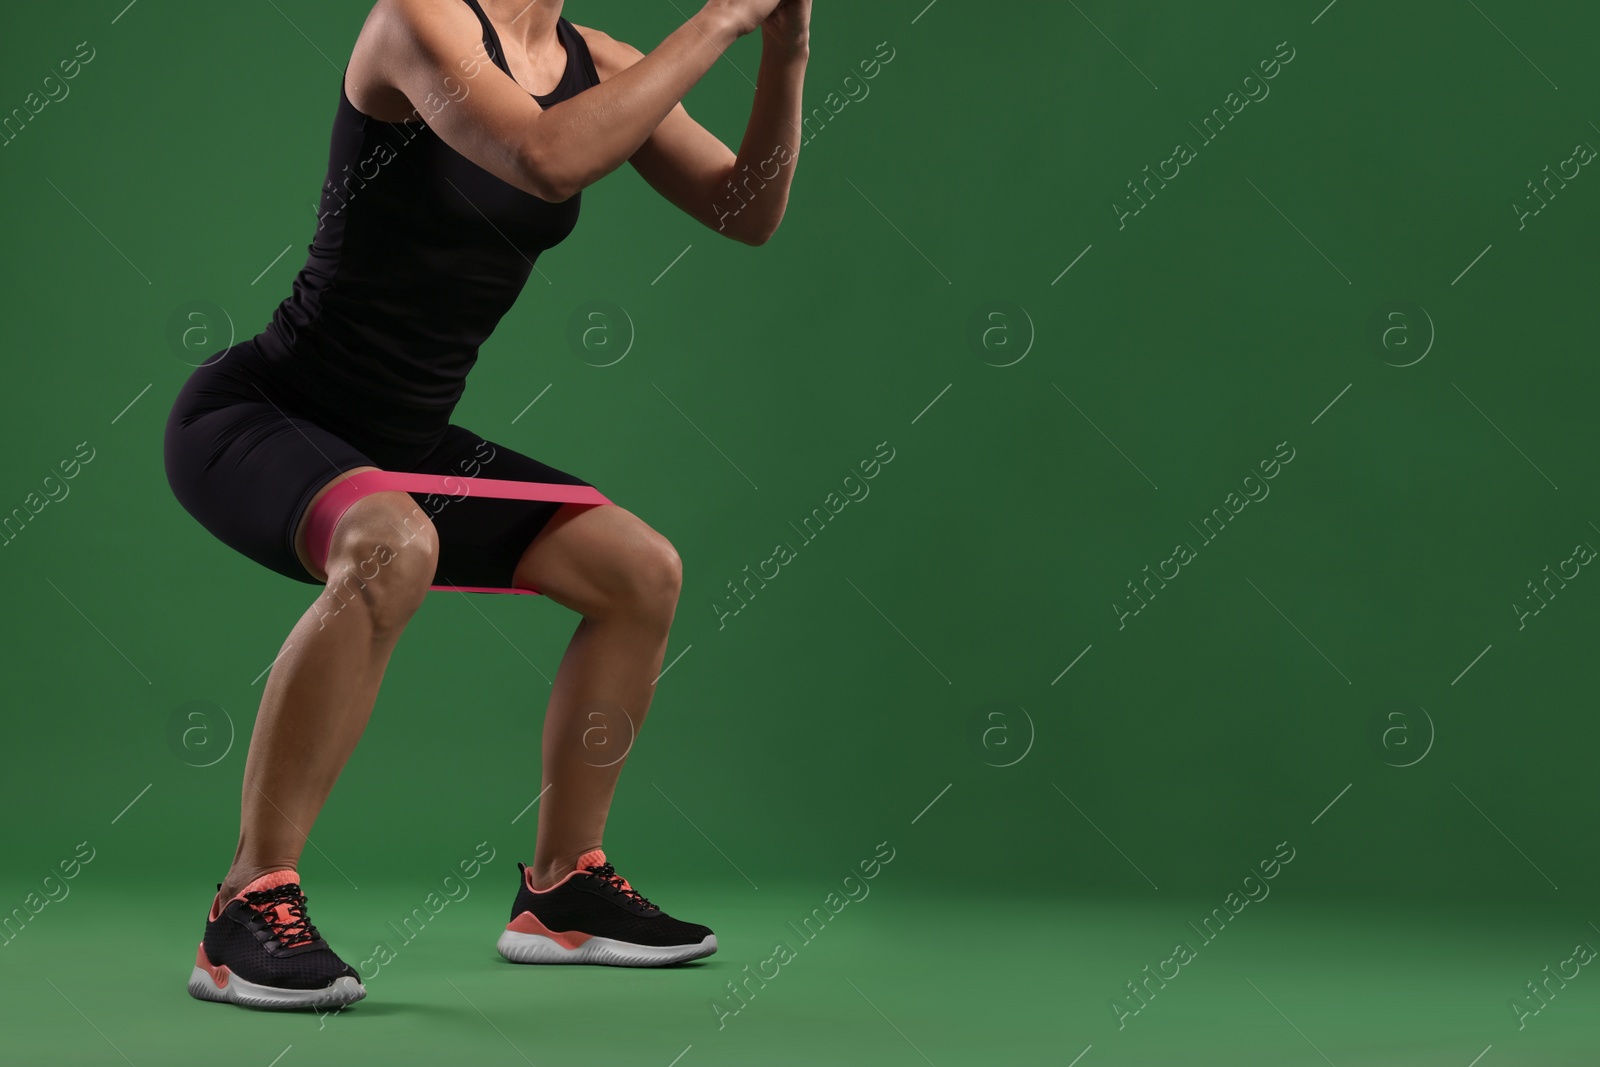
325	681
624	579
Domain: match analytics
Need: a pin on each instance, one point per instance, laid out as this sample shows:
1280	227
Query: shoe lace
607	874
283	909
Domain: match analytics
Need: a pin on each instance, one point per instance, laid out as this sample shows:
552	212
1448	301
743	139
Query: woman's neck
526	25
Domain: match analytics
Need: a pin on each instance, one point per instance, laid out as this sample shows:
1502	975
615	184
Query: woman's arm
741	196
431	51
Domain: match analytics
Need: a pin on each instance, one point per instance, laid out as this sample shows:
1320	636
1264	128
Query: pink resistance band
327	512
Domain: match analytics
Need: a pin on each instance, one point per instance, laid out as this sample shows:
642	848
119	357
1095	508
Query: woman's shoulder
610	55
404	31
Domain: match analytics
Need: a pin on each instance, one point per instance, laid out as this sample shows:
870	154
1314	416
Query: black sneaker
261	951
594	916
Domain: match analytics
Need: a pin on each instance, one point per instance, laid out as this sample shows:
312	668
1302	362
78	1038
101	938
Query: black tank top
418	253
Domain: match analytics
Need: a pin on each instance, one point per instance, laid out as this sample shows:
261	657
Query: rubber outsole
535	948
343	992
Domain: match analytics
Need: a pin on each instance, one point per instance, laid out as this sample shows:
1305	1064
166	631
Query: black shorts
245	460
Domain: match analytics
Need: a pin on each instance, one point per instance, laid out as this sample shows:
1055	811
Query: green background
905	678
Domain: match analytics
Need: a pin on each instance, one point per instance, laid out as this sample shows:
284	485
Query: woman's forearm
582	139
759	180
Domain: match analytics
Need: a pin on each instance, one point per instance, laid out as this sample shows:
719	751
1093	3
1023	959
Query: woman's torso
417	255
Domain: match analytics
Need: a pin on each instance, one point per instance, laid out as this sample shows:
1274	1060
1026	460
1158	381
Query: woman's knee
661	573
383	557
648	579
604	562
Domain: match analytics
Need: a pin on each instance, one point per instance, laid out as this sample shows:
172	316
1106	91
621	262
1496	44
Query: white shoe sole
344	991
535	948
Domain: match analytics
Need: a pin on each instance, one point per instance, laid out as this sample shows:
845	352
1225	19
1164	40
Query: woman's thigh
481	539
594	559
247	470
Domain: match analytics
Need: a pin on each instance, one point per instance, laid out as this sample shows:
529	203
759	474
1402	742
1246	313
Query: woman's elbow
544	185
551	188
545	179
755	237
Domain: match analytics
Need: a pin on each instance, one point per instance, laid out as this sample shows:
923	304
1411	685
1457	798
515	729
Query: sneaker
261	951
594	916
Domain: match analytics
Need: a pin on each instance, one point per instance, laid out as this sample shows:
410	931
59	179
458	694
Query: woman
465	131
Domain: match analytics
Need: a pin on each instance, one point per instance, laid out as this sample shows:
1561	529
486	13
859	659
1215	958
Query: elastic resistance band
327	512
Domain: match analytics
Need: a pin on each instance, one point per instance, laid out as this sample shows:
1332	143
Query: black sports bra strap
491	39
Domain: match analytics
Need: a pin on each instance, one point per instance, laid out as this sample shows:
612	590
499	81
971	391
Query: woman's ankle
241	875
546	871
